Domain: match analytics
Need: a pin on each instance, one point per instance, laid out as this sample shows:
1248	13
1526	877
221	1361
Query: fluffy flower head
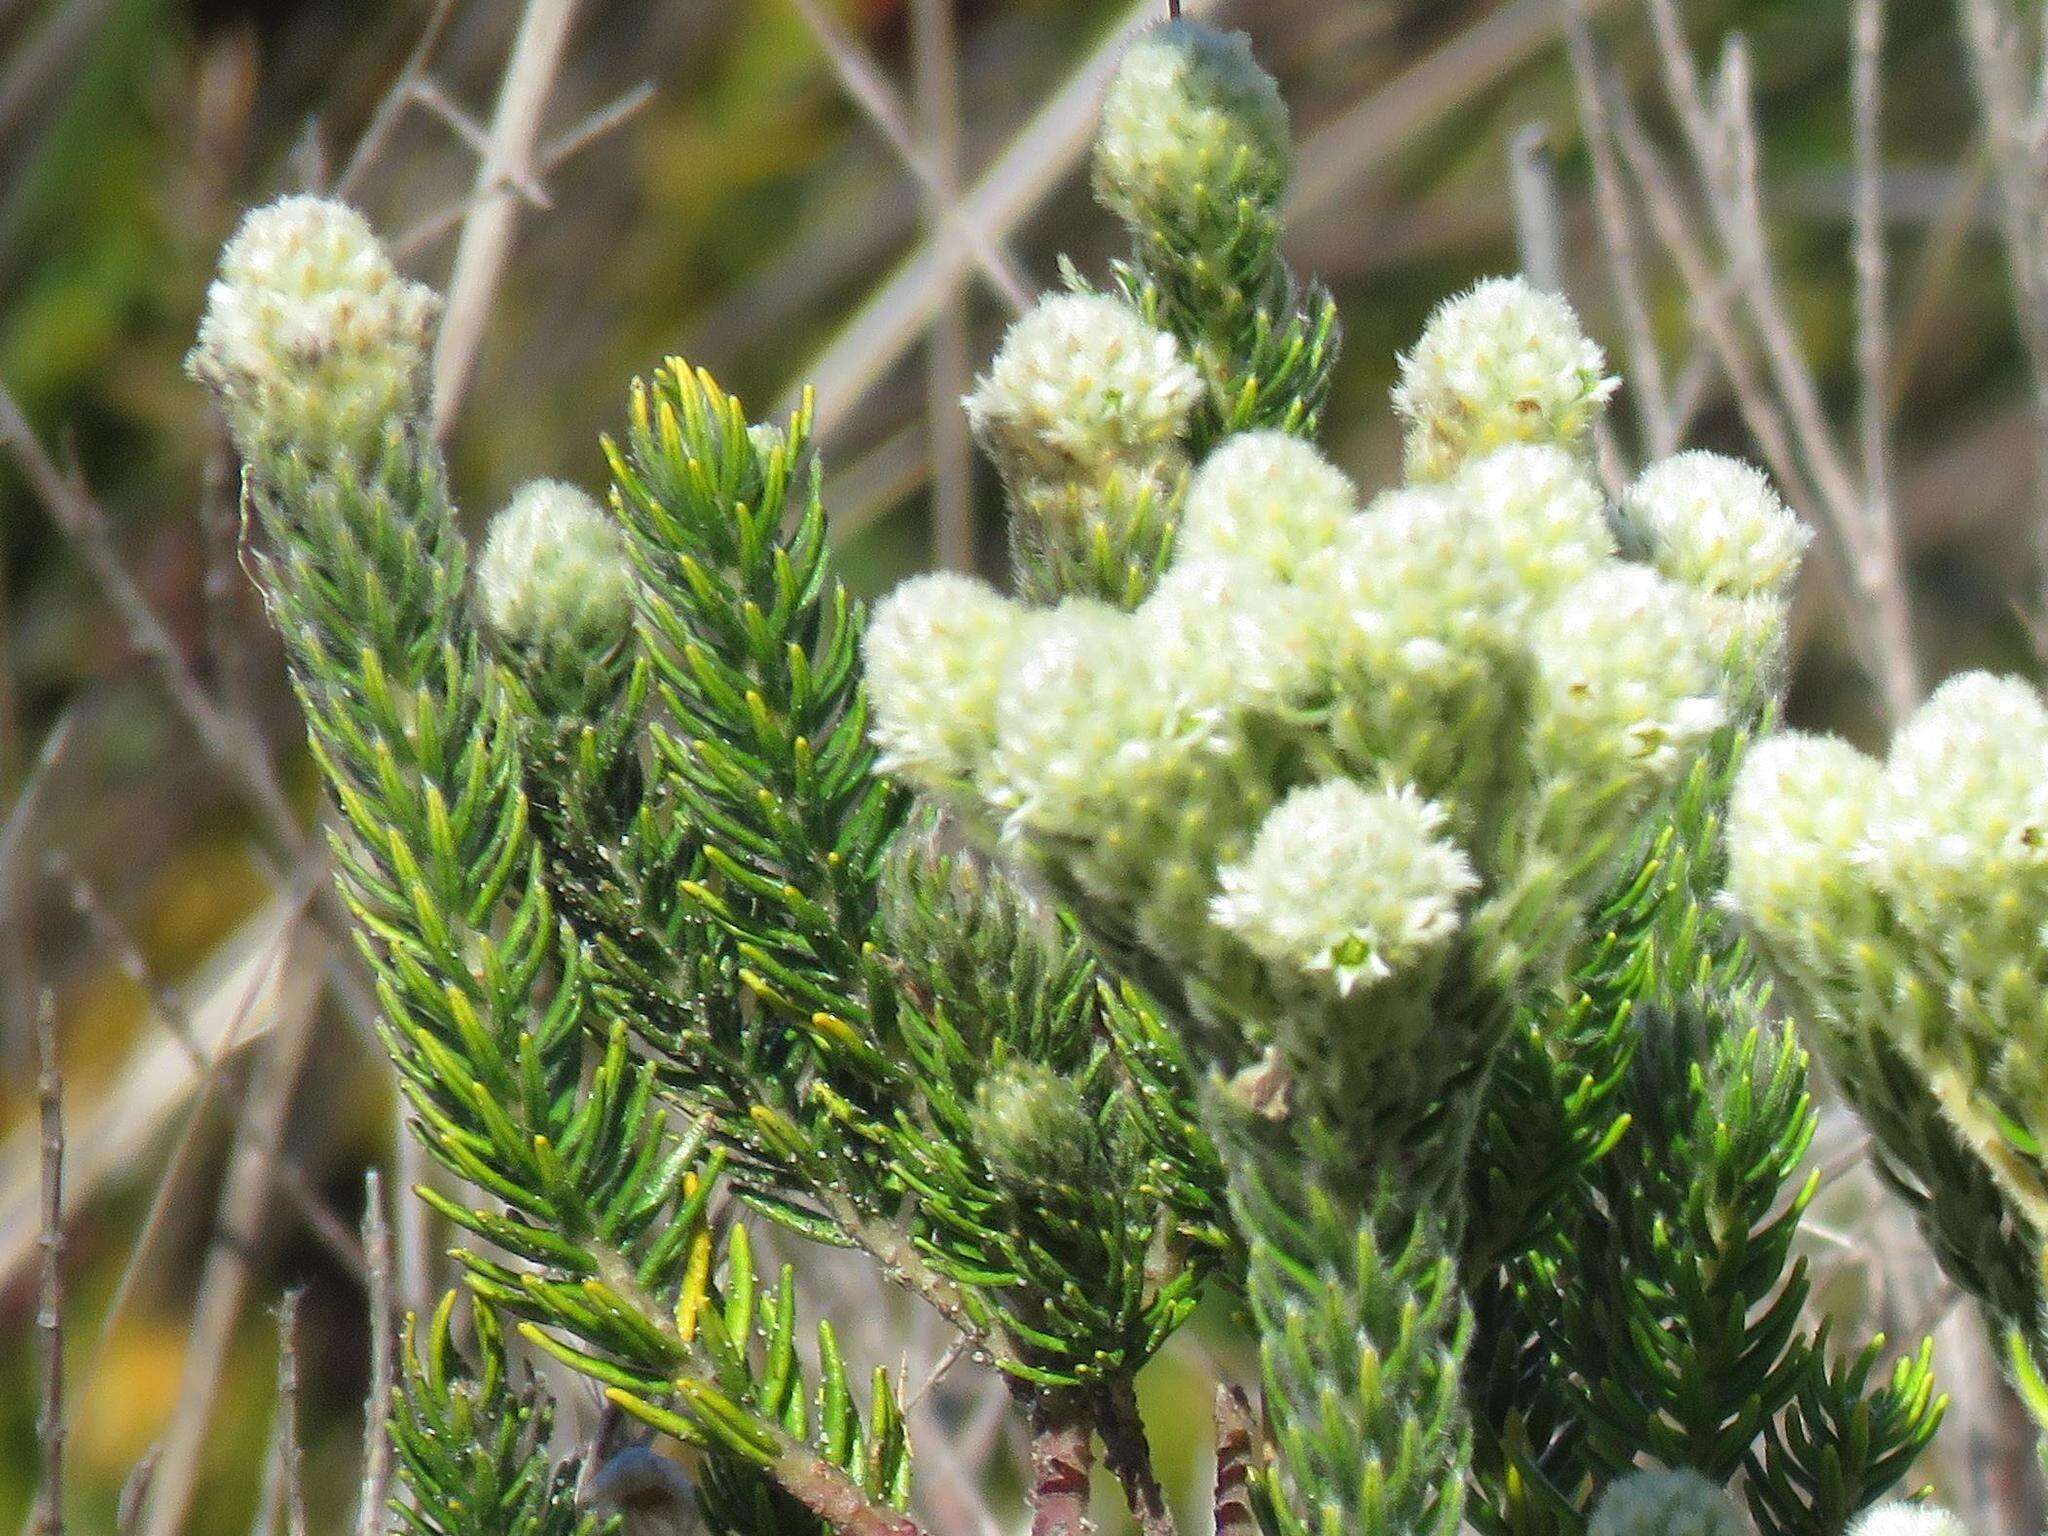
1680	1503
1266	501
1349	882
936	652
1628	681
555	587
1961	823
1085	731
1797	818
1535	513
1224	640
1899	1518
311	339
1504	363
1082	386
1191	125
1715	523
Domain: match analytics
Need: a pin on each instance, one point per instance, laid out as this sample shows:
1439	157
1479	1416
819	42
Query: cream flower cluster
1083	411
1676	1503
311	339
1191	125
1082	386
1900	1518
1332	742
1364	883
1907	896
556	586
1505	363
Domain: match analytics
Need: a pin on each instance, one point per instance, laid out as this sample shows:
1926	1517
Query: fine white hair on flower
1081	386
1960	833
1536	512
1900	1518
1354	883
1715	523
1628	682
1087	733
1504	363
1798	816
1224	640
1676	1503
311	337
1266	501
554	576
1190	123
936	651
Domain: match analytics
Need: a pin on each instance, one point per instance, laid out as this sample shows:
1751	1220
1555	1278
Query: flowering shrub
1292	893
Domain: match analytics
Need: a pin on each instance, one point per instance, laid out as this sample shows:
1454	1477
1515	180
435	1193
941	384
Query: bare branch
392	108
932	164
1646	386
224	1279
556	152
1127	1452
536	57
49	1517
1873	335
1236	1460
947	368
376	1485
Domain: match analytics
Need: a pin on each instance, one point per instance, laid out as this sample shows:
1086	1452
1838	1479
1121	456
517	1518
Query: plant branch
1062	1452
1127	1452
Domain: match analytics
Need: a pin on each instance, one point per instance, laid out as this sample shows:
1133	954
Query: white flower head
1961	825
1224	640
1715	523
1504	363
1680	1503
1191	125
1797	818
1900	1518
1537	513
1354	883
936	651
1081	386
1086	735
554	578
1266	501
311	339
1628	682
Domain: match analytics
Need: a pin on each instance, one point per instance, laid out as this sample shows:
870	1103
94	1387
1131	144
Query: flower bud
1265	501
1081	387
1191	128
311	340
1352	883
556	590
936	651
1032	1128
1680	1503
1715	523
1504	363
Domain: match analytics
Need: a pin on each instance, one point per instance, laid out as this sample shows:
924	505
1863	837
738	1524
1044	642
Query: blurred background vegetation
742	197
